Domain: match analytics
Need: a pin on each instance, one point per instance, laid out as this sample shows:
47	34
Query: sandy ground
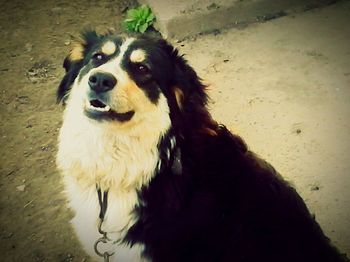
284	85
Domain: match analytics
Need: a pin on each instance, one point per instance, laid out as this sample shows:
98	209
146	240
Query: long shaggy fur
205	197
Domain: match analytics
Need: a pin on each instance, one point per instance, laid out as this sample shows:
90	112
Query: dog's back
228	205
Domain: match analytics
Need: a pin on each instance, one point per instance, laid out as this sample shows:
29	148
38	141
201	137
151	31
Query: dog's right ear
74	62
72	70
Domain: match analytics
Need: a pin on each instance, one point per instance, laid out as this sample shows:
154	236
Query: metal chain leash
104	239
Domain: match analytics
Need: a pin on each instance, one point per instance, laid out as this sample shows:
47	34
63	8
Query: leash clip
105	255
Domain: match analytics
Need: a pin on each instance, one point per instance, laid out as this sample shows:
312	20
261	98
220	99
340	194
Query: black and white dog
152	177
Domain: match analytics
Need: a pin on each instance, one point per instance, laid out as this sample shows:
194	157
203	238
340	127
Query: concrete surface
180	19
284	85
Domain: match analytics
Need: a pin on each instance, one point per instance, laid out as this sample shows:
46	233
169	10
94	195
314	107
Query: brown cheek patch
76	53
135	95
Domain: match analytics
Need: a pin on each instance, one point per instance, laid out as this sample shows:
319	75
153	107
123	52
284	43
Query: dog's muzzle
96	106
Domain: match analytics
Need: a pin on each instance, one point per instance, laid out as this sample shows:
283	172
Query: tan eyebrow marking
138	56
109	48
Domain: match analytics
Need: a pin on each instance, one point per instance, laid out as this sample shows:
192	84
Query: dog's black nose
102	82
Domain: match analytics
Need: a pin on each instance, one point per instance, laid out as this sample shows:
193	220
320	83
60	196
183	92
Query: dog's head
126	81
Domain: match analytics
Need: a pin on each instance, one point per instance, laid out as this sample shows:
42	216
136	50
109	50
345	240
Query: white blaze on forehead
125	46
138	56
109	48
113	65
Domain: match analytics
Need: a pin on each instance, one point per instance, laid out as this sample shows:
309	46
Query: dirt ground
35	37
296	122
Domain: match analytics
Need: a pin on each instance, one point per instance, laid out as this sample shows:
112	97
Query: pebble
315	188
21	188
28	47
6	235
67	42
44	148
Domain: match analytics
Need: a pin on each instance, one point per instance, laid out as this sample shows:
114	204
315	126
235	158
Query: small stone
28	47
213	6
67	42
6	235
315	188
298	131
44	148
21	188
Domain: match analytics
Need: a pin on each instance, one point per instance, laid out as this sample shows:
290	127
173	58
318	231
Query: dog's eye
98	56
142	69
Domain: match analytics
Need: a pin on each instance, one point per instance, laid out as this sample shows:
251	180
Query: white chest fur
118	219
91	152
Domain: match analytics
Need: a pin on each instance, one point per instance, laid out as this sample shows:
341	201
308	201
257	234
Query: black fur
227	204
223	203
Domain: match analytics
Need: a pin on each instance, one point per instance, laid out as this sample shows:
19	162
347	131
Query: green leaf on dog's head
150	18
139	19
132	13
143	28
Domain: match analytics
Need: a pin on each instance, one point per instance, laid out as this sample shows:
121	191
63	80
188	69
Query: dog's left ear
189	93
187	87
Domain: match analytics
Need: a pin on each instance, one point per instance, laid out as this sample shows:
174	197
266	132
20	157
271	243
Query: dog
152	177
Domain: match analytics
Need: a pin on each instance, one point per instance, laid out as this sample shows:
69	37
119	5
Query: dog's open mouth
96	109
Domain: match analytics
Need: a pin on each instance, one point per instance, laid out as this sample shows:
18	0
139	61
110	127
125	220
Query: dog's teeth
106	108
101	109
